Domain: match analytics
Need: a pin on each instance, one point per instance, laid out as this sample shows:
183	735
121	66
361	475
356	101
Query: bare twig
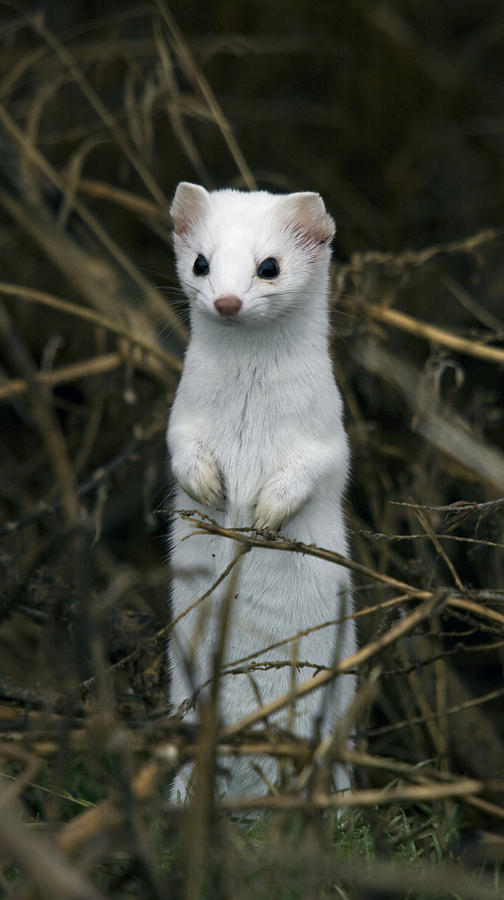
433	333
398	262
156	303
208	525
351	662
25	293
97	103
97	365
194	73
421	793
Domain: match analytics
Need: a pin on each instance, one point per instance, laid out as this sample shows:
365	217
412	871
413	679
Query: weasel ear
189	204
306	214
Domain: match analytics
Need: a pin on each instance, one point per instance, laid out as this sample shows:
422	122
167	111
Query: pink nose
228	305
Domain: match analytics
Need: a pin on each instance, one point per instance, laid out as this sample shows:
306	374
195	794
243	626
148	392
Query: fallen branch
434	333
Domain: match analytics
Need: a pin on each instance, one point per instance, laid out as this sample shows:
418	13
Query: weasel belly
276	596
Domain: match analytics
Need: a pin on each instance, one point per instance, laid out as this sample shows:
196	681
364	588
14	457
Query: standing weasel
256	439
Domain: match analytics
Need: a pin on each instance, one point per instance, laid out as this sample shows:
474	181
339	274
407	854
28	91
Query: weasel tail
256	440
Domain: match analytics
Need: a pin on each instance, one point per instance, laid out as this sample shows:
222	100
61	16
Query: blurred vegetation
393	111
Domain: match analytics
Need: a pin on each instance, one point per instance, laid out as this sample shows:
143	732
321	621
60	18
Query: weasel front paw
199	477
279	500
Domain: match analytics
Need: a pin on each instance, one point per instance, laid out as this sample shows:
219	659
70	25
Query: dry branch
126	98
97	274
97	365
46	865
96	102
465	787
399	262
205	524
350	662
194	73
433	333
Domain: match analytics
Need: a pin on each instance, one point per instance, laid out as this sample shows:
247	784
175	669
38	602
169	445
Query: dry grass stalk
83	618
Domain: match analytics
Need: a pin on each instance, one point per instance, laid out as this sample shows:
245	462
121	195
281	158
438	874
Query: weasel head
250	257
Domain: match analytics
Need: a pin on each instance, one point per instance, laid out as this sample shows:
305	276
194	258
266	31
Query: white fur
256	438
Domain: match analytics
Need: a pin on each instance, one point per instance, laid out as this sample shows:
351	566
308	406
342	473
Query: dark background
393	111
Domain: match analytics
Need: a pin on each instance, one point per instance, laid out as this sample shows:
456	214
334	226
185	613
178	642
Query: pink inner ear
320	230
307	217
313	231
184	218
189	204
181	225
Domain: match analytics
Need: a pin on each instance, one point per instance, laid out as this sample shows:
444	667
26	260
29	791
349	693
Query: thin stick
416	258
97	365
211	527
156	302
459	506
126	199
432	717
96	102
191	69
26	293
434	333
418	793
355	659
471	606
439	549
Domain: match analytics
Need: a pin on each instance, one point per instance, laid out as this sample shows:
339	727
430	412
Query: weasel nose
228	305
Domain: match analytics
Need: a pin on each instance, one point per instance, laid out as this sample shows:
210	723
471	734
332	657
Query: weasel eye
269	268
201	266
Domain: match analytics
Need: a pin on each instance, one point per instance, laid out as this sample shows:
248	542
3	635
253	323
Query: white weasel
256	438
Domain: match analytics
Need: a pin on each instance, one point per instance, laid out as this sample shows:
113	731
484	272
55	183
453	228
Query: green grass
274	856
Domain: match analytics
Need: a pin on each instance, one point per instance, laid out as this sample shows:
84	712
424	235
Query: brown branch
46	421
99	476
439	549
350	662
434	333
70	63
194	73
82	312
432	717
368	610
458	506
398	262
103	191
97	365
208	525
155	301
396	538
204	524
418	793
43	861
484	611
